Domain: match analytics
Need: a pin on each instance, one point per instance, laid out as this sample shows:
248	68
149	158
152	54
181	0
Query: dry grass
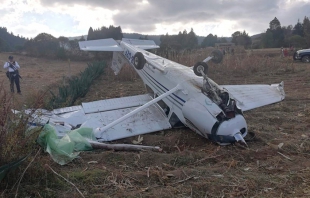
14	142
39	74
191	166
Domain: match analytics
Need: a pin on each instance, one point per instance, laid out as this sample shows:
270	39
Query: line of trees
286	36
183	40
274	37
47	45
10	42
104	32
189	40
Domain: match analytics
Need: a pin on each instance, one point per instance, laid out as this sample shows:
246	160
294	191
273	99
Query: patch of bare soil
275	165
127	83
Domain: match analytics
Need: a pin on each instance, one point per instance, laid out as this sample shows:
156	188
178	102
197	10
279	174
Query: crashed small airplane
177	96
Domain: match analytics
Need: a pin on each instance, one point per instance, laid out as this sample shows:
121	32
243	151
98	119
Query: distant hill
10	42
257	36
77	37
155	38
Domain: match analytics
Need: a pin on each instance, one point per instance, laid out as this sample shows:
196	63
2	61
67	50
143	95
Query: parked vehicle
303	55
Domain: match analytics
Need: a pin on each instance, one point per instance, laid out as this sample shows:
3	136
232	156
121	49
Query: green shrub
77	87
15	143
61	53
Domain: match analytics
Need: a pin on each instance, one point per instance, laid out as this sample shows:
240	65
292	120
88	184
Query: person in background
285	52
13	73
282	52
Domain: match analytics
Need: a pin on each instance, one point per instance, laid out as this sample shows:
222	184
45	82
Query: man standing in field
13	73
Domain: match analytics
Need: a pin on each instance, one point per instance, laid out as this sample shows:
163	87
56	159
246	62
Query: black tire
200	65
294	56
217	56
139	61
306	59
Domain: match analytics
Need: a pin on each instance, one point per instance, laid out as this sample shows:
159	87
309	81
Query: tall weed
14	142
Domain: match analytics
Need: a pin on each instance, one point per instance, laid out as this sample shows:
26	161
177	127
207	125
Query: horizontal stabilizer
100	45
142	44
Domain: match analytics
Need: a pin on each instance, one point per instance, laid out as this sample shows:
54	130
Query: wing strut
100	130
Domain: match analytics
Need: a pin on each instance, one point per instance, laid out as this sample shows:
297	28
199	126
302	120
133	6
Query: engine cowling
199	119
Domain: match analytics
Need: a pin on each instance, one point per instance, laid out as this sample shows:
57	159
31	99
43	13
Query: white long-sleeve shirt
7	66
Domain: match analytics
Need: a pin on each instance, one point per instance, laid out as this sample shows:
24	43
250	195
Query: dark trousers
14	78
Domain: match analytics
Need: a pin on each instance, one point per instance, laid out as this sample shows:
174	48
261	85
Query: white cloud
74	17
89	17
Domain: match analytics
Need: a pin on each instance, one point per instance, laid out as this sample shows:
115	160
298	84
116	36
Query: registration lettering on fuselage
129	56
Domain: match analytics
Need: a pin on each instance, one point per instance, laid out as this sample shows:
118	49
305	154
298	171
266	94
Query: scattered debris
139	141
92	162
285	156
219	175
123	147
170	175
148	172
280	145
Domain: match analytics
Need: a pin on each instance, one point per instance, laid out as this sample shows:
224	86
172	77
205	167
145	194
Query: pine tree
209	41
274	24
191	40
298	29
306	30
241	38
90	35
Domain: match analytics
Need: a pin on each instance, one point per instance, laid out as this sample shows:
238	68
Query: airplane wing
149	120
113	46
252	96
101	113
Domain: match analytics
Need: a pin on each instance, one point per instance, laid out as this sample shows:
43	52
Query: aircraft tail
112	45
142	44
118	61
100	45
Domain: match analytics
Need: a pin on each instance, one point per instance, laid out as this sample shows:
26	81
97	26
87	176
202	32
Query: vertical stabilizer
118	62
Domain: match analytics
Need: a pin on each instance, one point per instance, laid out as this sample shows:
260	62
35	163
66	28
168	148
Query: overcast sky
221	17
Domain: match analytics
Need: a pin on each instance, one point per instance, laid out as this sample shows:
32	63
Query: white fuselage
192	107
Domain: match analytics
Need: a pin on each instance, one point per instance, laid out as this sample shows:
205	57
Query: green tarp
67	148
62	150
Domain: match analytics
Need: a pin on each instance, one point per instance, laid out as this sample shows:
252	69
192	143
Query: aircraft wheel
200	66
217	56
306	59
139	61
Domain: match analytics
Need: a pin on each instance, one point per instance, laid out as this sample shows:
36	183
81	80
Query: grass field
189	166
39	74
